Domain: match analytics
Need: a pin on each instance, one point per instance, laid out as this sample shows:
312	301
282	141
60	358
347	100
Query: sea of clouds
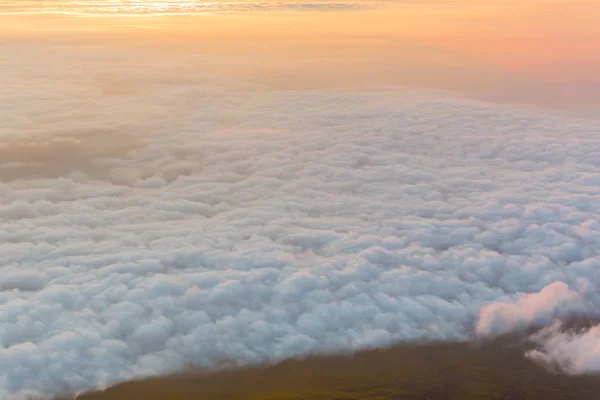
154	223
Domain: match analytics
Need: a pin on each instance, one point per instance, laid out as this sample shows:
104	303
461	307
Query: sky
258	182
536	52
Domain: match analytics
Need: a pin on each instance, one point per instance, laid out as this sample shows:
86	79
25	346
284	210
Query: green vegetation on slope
490	371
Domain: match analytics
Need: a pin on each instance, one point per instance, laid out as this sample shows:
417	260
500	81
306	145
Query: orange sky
549	37
495	41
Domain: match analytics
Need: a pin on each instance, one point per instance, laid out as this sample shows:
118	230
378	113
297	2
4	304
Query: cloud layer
196	224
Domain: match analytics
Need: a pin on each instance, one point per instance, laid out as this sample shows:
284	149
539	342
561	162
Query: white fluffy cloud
554	301
569	351
194	223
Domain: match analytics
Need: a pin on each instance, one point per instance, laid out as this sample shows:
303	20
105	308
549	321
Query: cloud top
553	301
241	226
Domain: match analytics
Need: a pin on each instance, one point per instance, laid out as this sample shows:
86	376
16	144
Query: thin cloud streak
95	8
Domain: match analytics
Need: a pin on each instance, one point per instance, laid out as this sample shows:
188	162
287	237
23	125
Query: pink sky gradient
540	52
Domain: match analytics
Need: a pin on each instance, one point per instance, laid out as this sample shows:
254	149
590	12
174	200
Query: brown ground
494	370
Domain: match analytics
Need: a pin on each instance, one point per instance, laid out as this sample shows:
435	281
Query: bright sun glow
105	7
166	7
